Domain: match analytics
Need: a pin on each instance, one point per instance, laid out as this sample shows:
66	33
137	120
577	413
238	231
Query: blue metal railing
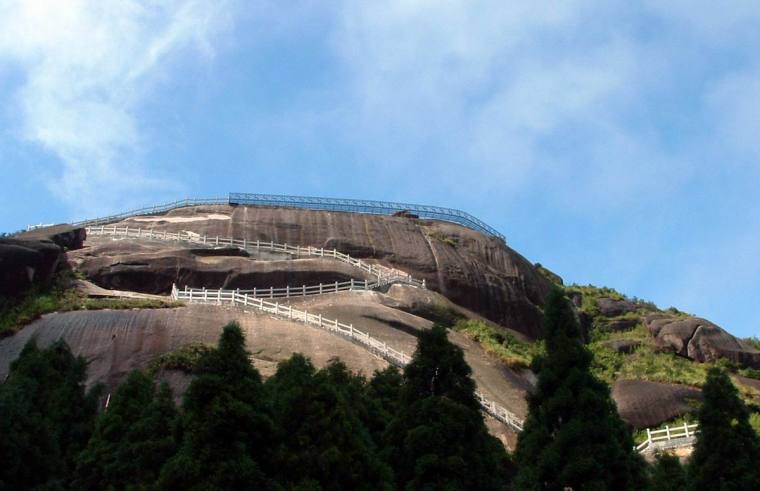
313	203
366	206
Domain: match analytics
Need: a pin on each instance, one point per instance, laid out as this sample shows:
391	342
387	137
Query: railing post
320	288
217	240
254	292
287	291
244	244
205	294
271	292
352	284
423	283
365	284
304	290
319	319
336	287
649	437
686	428
257	245
667	431
204	238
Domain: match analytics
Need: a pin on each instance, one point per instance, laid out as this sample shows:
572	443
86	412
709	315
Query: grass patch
753	341
61	298
185	358
754	421
505	346
441	237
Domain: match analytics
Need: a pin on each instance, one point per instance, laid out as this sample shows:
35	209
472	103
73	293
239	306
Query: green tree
132	439
667	474
226	427
46	417
438	439
573	436
727	453
322	441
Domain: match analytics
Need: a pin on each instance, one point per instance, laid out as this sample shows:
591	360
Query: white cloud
87	65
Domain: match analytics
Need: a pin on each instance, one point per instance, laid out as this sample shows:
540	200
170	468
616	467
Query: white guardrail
669	437
380	348
384	274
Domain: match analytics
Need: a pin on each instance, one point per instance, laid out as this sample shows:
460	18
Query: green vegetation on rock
185	358
505	346
61	297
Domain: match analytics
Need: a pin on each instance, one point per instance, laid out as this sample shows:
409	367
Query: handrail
366	206
669	437
313	203
152	210
381	348
384	274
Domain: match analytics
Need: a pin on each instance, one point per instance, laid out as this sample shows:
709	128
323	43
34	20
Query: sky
617	143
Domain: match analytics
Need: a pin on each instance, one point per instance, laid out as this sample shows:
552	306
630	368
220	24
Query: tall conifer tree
727	454
438	439
573	436
227	429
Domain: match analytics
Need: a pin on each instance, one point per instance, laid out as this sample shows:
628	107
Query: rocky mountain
468	276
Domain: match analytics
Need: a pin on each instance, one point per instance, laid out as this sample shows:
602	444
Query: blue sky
617	143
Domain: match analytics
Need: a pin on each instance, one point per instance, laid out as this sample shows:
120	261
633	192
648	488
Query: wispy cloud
87	65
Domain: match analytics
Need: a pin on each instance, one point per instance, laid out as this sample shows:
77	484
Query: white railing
29	228
382	273
375	346
320	289
669	437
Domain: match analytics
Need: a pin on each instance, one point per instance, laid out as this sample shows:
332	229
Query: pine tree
727	453
226	427
573	436
438	439
132	439
322	439
46	417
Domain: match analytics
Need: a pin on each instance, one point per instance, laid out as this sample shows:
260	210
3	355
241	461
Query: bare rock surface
623	345
155	266
700	340
65	236
473	270
645	404
27	263
609	307
118	341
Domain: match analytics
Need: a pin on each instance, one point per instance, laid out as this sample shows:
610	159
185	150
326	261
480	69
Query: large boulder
68	237
699	339
610	307
473	270
645	404
27	263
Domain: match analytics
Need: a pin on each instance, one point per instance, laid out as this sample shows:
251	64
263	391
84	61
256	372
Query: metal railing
375	346
152	210
312	203
669	437
366	206
382	273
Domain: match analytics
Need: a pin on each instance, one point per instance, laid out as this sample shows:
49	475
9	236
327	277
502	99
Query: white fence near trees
661	439
375	346
383	274
669	437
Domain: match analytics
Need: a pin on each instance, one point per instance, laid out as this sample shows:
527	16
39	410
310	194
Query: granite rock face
27	263
645	404
67	237
475	271
699	339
